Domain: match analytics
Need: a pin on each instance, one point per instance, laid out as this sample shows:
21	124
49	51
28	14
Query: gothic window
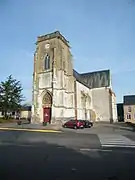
89	100
129	109
83	101
61	55
64	66
128	116
47	62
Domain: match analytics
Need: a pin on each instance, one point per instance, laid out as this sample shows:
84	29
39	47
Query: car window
70	121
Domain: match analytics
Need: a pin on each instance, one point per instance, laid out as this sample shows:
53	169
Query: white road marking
93	153
115	140
95	150
60	147
127	151
116	145
73	169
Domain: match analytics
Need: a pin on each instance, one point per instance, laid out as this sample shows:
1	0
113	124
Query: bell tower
52	68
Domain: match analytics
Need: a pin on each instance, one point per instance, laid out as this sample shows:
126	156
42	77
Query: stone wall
101	103
84	103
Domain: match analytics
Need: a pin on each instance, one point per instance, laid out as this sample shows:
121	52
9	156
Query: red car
74	124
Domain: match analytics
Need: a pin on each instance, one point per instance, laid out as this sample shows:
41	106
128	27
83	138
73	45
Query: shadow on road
50	161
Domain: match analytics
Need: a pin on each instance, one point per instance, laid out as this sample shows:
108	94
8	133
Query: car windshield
72	120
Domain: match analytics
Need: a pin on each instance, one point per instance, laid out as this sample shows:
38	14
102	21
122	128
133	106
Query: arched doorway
47	104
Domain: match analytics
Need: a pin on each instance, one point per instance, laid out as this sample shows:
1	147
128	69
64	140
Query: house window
129	109
47	62
128	116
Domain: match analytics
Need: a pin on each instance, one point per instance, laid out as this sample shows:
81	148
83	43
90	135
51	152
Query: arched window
47	62
128	116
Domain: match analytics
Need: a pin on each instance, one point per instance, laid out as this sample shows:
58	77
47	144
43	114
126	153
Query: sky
101	35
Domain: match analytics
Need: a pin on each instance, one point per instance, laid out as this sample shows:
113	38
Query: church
60	93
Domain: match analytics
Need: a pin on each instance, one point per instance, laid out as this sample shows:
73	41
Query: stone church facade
60	93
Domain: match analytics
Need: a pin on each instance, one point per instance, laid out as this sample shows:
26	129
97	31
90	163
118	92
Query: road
58	156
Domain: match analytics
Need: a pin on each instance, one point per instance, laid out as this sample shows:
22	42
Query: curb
30	130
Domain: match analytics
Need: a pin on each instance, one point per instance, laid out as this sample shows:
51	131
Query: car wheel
64	126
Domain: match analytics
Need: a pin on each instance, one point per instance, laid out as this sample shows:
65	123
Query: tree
10	95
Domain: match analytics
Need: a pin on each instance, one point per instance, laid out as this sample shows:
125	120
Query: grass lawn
2	120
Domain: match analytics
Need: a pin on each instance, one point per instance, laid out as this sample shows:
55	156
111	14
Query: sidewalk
40	126
115	128
31	126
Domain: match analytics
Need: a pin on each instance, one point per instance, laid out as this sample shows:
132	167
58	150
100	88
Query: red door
47	114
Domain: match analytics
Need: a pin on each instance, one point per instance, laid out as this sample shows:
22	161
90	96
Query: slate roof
129	100
79	78
93	79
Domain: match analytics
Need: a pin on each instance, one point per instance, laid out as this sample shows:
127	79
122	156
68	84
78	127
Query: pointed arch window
47	62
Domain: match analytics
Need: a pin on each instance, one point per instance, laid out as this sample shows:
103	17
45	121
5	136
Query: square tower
52	77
